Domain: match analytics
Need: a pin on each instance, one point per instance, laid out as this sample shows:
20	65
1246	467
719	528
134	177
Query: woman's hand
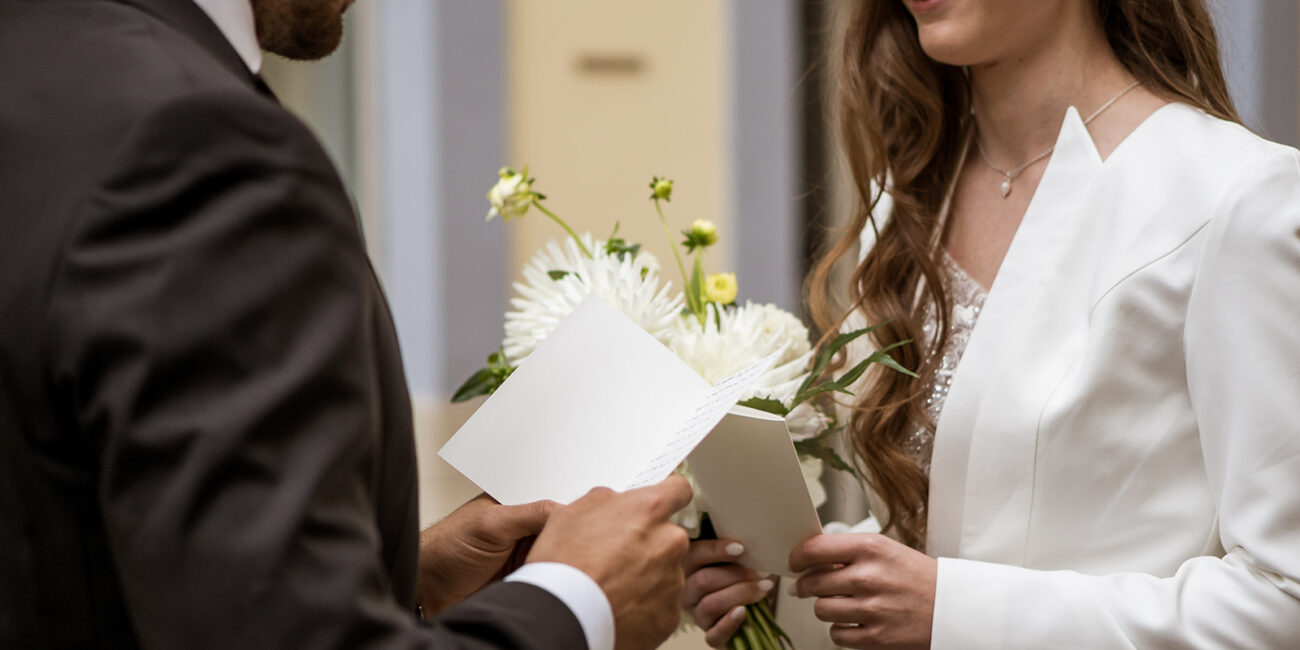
718	589
876	592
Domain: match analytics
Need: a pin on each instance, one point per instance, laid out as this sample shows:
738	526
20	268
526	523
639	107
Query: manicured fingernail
793	589
763	574
765	585
735	549
737	613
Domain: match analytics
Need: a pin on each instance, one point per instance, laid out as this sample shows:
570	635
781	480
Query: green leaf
889	362
558	275
695	292
767	405
482	382
879	356
619	247
486	380
824	387
882	357
827	353
816	449
845	380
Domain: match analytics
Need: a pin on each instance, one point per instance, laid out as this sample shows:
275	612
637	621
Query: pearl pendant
1006	188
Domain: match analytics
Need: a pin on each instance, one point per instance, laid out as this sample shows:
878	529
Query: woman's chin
952	53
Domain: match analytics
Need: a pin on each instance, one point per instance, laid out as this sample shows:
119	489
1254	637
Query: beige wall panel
593	138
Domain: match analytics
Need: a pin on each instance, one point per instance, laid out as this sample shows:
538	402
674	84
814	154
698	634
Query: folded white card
749	475
601	402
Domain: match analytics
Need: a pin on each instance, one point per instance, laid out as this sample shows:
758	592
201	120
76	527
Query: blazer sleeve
211	335
1242	346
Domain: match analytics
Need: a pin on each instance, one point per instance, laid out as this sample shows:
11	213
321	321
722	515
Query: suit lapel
187	18
982	469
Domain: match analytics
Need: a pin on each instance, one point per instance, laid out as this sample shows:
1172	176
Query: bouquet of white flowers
703	325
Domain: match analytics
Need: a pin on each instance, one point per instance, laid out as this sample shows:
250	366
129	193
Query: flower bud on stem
537	204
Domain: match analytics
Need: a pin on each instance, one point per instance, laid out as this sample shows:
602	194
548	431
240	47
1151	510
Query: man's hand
626	544
478	543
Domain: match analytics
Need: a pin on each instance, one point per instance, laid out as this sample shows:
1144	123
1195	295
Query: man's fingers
726	627
667	497
526	520
712	551
830	549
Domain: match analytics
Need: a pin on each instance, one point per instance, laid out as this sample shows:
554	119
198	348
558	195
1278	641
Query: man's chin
302	30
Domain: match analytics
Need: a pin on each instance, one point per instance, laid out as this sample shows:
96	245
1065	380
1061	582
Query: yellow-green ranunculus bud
721	288
702	234
704	231
661	188
511	196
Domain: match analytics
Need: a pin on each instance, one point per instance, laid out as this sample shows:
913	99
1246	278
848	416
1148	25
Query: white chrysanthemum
733	339
631	285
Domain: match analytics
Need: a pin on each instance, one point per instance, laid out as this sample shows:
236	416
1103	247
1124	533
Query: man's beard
299	29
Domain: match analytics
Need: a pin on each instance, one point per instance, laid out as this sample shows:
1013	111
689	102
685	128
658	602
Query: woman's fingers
726	627
714	578
847	635
841	610
711	551
714	606
834	549
838	581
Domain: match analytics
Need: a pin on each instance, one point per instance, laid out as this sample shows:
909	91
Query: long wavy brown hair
900	115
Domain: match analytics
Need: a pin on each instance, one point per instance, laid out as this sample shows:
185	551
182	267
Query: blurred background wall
427	98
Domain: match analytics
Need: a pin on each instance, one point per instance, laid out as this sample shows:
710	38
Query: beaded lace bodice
967	302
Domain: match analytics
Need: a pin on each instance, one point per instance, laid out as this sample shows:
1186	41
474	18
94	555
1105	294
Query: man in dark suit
205	434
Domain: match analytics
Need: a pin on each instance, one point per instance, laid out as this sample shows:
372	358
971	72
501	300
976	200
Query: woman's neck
1020	99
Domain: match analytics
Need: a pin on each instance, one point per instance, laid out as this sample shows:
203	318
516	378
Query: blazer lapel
186	17
982	469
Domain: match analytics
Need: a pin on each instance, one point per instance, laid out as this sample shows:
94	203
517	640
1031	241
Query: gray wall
1258	39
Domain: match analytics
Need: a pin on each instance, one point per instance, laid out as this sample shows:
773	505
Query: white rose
806	422
812	474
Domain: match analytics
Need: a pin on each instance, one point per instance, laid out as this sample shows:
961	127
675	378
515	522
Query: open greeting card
602	403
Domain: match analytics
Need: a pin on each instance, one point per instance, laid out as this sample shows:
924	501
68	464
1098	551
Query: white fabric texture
1118	463
579	593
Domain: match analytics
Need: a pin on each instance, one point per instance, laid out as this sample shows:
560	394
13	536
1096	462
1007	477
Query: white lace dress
967	302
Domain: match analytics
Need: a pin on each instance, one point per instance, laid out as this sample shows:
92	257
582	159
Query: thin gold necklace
1011	174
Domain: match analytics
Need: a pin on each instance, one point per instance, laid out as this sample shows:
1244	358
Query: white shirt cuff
579	593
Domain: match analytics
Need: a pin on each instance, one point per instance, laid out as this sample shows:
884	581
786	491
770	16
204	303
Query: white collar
235	20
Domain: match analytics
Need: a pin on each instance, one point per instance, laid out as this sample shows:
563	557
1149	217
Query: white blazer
1117	464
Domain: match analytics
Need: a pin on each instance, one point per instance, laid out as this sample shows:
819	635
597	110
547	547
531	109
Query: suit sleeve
211	332
1242	346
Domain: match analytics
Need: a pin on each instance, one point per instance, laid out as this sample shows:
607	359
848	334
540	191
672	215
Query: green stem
672	243
537	204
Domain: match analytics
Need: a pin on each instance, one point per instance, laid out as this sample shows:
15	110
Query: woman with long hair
1097	271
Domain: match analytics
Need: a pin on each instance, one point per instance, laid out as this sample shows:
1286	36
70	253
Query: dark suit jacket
205	433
